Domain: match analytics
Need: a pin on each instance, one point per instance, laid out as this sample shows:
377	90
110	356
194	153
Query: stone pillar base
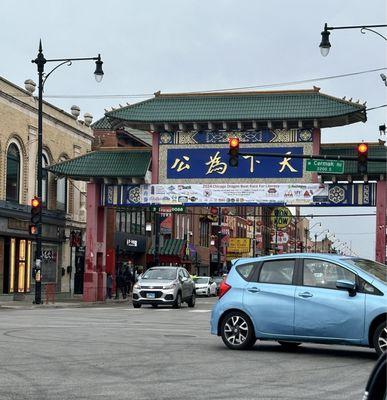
90	279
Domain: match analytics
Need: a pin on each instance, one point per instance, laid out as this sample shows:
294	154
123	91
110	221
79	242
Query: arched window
13	173
45	164
61	192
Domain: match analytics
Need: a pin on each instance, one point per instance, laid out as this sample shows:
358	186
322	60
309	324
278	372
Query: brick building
64	137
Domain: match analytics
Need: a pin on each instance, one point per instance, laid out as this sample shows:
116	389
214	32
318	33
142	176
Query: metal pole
254	233
276	239
295	234
315	243
219	237
157	238
40	61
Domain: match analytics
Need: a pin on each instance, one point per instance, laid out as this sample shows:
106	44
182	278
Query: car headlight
137	286
170	286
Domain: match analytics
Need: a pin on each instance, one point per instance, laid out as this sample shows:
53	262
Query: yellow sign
232	256
281	217
238	245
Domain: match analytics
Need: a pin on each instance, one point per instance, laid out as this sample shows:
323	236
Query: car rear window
245	270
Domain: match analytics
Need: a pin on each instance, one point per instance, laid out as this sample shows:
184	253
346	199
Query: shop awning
109	163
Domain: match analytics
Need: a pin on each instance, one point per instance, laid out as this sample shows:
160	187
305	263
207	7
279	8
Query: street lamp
40	61
325	45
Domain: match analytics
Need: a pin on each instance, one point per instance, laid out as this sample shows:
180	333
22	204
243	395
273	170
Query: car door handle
305	294
254	290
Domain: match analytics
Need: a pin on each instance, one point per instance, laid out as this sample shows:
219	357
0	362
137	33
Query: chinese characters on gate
212	163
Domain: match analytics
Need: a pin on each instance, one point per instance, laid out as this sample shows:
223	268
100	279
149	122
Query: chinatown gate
190	143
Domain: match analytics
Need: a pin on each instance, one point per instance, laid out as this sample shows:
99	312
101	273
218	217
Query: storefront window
13	173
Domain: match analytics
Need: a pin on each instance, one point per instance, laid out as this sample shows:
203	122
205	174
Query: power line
270	85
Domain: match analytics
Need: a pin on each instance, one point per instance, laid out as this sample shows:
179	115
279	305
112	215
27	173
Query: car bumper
201	291
155	296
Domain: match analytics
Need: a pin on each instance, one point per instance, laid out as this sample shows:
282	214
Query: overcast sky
189	45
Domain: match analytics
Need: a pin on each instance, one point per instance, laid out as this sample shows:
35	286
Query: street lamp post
325	45
40	60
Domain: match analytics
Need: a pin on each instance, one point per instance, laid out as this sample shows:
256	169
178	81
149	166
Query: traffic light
233	151
362	156
36	213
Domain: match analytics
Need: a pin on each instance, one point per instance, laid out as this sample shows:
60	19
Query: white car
204	285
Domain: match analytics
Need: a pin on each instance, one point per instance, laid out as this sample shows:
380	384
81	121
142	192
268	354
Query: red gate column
381	220
90	277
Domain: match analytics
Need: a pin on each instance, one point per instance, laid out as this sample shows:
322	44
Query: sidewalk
65	303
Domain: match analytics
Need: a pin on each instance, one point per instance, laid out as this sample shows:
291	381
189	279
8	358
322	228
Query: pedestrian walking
109	285
128	278
119	283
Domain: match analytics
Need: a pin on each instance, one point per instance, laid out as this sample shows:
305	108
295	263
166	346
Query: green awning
172	247
115	163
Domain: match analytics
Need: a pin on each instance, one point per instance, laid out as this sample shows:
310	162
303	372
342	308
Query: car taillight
223	288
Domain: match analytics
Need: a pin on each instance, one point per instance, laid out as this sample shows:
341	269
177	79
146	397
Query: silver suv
164	285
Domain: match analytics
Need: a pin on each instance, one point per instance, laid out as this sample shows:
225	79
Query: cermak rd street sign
325	166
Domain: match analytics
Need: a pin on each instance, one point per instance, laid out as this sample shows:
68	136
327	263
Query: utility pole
219	237
156	257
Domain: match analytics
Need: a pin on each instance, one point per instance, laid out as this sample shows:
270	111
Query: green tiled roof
350	149
277	105
172	247
103	123
116	163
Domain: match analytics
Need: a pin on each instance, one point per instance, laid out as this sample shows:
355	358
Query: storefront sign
205	163
281	217
131	242
238	245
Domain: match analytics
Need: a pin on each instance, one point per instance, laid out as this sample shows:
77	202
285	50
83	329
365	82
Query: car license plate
150	295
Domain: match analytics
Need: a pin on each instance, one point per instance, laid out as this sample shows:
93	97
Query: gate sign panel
205	163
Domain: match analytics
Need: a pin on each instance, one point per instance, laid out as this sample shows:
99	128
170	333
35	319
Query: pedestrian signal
233	151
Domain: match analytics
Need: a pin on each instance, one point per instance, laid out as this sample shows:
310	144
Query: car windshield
160	273
201	280
371	267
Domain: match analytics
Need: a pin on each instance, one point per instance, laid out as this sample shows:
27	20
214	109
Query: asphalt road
118	352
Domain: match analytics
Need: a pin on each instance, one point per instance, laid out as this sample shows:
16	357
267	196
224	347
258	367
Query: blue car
295	298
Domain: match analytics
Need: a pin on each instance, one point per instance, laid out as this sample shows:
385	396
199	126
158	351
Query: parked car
205	286
295	298
164	286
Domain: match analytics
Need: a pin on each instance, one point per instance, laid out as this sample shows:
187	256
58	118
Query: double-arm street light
40	61
325	45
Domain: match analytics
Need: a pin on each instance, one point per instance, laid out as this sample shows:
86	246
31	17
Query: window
13	173
245	270
279	271
365	287
61	192
321	273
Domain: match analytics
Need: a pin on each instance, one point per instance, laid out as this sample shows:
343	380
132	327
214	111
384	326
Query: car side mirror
347	285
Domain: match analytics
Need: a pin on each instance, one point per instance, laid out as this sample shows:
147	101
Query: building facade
64	214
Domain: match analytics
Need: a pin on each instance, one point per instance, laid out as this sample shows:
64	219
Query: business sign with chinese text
212	163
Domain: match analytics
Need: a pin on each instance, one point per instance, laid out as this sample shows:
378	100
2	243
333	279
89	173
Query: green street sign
325	166
168	209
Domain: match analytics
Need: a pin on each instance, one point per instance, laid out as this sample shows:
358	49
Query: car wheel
178	301
154	305
136	305
192	300
289	345
380	338
237	331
